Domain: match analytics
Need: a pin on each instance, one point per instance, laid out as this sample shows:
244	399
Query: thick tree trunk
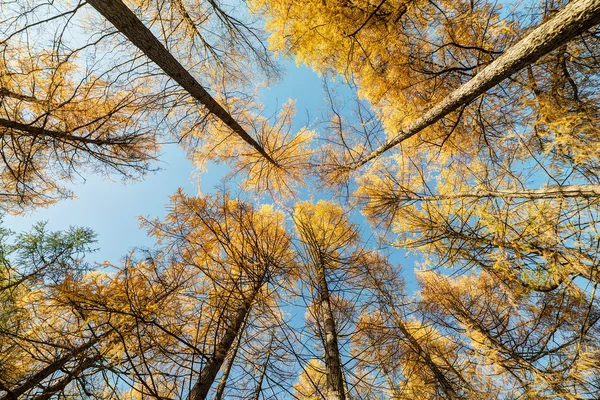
550	192
574	19
333	364
118	14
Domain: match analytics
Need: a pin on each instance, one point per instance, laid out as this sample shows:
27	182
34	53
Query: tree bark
333	364
209	372
126	22
550	192
574	19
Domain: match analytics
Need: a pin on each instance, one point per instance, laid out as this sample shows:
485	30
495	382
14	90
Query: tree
326	235
329	40
520	344
473	141
239	251
57	120
65	112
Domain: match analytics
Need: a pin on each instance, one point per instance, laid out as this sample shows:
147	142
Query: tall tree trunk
49	370
263	370
574	19
333	364
228	366
118	14
209	372
550	192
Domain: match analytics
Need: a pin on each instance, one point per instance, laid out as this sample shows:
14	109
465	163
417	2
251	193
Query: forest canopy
464	133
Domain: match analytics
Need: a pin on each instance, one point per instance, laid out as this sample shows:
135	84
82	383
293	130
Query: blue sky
112	208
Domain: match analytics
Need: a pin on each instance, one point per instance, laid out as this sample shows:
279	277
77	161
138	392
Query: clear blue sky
112	208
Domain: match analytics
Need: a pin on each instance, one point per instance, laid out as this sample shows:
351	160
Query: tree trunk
209	372
414	344
70	377
34	131
333	365
574	19
263	371
228	366
550	192
126	22
49	370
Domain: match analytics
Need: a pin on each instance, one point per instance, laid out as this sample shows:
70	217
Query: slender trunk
414	344
70	377
49	370
34	131
209	372
333	364
574	19
228	366
263	371
118	14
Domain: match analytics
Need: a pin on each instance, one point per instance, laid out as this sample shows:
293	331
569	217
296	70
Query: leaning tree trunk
228	366
209	372
52	368
574	19
126	22
71	376
413	343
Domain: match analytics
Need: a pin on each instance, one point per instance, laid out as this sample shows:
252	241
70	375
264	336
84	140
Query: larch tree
238	251
327	238
474	143
522	345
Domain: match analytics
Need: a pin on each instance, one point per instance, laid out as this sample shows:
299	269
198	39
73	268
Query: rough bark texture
118	14
550	192
574	19
333	365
